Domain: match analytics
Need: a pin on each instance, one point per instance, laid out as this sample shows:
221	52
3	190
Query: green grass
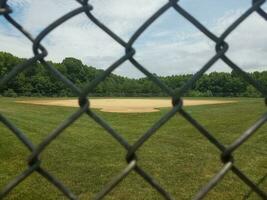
85	157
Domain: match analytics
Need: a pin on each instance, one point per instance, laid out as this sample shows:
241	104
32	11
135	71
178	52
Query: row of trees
37	81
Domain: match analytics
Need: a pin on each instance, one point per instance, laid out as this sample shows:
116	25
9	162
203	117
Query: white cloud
163	51
191	51
20	47
18	2
248	42
125	16
79	37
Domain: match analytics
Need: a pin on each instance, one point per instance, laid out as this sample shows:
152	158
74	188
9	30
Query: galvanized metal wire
40	53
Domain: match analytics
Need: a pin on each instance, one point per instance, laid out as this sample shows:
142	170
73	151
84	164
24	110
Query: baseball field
125	105
85	157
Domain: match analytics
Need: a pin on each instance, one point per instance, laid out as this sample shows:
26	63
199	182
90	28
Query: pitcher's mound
125	105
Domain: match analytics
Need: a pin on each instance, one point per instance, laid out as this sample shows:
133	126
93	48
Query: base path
125	105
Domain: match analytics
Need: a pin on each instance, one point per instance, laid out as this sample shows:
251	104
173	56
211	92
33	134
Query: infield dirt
125	105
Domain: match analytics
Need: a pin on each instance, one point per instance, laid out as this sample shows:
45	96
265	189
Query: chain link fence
40	53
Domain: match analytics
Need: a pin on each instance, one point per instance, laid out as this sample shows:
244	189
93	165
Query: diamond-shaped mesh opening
133	183
92	158
174	47
173	152
28	116
226	126
100	50
230	184
113	14
29	188
239	51
12	162
132	150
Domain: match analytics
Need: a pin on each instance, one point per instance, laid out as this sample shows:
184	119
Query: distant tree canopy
37	81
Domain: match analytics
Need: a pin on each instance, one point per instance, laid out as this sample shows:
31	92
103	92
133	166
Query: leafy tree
36	80
9	93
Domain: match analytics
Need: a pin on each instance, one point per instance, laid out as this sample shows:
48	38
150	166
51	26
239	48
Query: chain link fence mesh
40	53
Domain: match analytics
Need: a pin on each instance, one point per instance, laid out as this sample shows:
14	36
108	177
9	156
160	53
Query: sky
171	45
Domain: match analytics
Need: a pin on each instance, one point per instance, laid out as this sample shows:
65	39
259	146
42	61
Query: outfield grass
85	157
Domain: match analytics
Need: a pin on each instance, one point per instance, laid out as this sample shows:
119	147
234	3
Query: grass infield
85	157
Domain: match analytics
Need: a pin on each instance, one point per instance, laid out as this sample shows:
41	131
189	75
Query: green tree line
37	81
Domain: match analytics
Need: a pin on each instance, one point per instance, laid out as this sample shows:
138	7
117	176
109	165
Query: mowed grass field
85	157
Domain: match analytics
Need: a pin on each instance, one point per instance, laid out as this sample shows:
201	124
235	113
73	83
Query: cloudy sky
170	46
